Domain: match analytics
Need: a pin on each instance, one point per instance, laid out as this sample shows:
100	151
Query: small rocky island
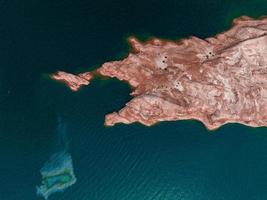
217	80
74	82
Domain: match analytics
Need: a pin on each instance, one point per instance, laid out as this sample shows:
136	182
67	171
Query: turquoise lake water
169	161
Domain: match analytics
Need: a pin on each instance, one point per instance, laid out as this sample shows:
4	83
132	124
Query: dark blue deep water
169	161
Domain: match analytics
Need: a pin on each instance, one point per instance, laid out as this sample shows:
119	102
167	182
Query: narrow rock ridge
217	80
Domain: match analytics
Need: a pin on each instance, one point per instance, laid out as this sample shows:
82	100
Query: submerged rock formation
57	175
58	172
74	82
216	80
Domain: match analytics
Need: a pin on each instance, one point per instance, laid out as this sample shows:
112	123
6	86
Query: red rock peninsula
217	80
74	82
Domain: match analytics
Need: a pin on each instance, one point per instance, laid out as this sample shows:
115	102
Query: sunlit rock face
215	80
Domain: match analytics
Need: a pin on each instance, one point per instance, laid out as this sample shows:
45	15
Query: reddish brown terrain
74	82
218	80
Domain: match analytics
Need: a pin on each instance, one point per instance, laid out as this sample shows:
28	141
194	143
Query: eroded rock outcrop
217	80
